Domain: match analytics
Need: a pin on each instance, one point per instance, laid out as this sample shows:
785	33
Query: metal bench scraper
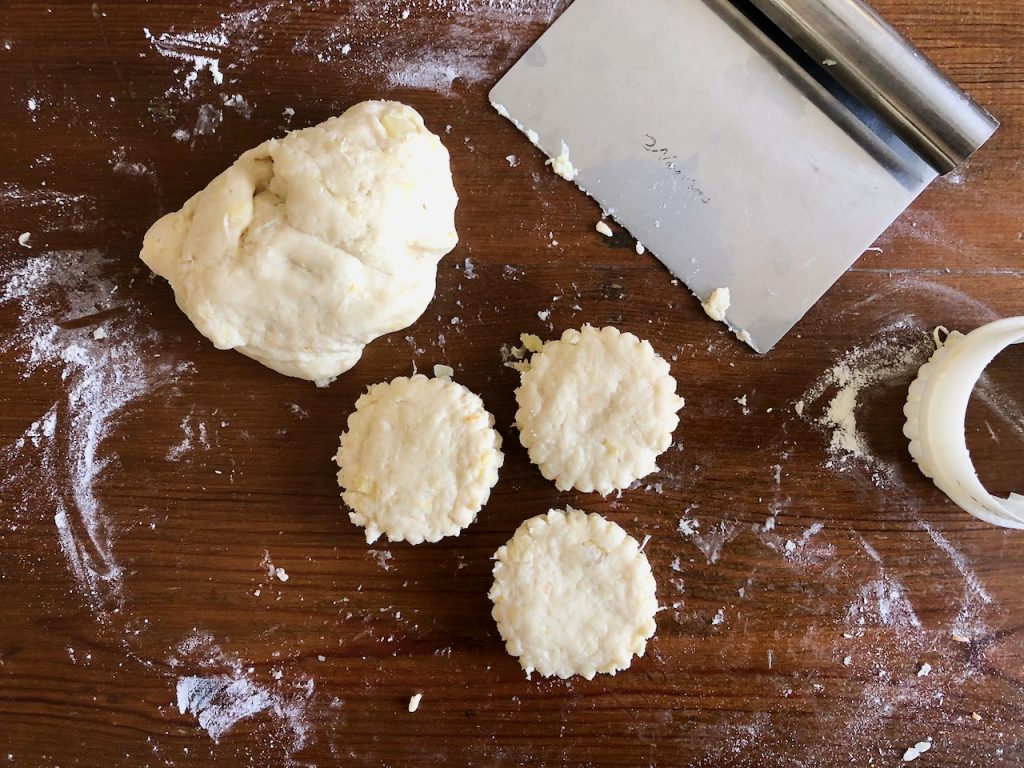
754	145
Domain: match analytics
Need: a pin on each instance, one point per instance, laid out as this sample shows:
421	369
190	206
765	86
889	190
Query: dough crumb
443	372
975	716
531	342
23	239
512	160
604	229
414	701
640	248
798	406
516	357
924	670
99	333
917	750
562	166
281	574
717	304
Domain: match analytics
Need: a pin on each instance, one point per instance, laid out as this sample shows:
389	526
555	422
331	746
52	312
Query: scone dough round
310	246
596	409
573	594
418	460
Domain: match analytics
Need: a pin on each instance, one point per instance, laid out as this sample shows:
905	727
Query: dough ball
309	247
419	459
573	594
596	409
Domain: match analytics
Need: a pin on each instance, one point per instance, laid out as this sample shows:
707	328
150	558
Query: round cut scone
596	409
573	594
419	459
310	246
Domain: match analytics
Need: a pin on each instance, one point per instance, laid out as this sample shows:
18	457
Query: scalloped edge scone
596	409
418	460
573	594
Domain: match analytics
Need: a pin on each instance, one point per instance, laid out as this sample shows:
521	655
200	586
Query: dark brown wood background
352	635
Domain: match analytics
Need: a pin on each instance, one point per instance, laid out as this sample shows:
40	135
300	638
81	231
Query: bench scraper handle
880	67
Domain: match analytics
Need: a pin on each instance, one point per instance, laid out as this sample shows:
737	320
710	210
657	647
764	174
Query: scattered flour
833	399
382	557
882	602
201	58
59	460
975	597
223	692
436	60
199	50
710	544
48	210
193	433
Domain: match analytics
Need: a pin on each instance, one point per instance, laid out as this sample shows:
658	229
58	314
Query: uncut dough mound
596	409
573	594
309	247
419	459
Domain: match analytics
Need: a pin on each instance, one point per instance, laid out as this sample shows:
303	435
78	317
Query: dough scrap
573	594
310	246
419	459
596	409
717	304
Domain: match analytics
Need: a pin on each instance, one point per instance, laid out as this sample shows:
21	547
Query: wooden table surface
151	483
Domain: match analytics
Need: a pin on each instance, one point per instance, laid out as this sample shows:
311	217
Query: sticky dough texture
573	594
418	460
596	409
309	247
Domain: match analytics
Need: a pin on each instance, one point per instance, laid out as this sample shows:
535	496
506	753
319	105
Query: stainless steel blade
730	161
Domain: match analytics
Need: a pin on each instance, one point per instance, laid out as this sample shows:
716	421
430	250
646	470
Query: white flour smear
710	544
383	47
193	432
801	551
48	210
199	50
1000	403
975	598
833	400
56	464
224	692
882	602
203	59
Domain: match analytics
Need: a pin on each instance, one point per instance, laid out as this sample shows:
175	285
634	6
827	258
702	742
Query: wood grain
94	683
